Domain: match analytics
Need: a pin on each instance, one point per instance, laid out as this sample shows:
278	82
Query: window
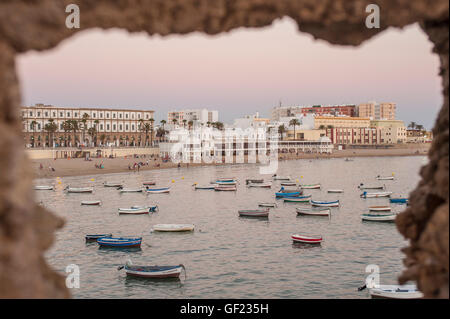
114	127
107	127
120	115
68	114
54	114
126	127
39	114
120	127
126	115
93	115
75	114
107	115
114	115
31	113
61	114
101	127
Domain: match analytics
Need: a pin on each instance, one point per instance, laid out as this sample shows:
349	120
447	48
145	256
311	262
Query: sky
237	73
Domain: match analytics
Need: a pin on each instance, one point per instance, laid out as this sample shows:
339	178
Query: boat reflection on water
305	245
122	249
130	282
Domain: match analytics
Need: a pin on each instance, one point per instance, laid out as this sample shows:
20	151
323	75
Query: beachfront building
322	145
355	135
197	116
322	122
418	136
254	121
375	111
393	131
304	135
55	126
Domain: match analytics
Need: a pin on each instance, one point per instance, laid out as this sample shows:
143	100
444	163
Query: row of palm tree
415	126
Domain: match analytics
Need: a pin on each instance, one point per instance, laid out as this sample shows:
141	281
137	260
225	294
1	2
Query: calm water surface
228	256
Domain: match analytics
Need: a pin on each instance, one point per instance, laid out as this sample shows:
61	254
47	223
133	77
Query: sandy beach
79	167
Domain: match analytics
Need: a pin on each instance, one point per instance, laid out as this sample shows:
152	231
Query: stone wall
27	230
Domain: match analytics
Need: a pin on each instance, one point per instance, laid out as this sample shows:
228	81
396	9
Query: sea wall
27	230
35	154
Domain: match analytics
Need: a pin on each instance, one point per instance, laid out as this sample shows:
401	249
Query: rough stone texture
27	230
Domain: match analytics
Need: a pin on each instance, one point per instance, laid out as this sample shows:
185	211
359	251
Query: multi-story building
418	136
48	125
375	111
335	110
304	135
393	131
322	122
251	121
197	116
355	135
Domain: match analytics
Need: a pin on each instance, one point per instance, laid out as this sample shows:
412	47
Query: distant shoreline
80	167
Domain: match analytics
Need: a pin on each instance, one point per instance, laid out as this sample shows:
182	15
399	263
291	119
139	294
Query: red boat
149	183
310	239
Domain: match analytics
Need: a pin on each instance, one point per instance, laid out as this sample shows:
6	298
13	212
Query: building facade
197	116
375	111
335	110
52	126
322	122
355	136
393	131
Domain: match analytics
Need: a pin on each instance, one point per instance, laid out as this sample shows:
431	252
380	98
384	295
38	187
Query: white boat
158	272
307	239
136	210
288	184
91	202
158	190
297	199
380	208
335	191
262	185
311	186
375	195
267	204
44	187
319	203
396	292
112	184
173	227
225	188
313	212
79	189
385	178
281	178
379	217
231	183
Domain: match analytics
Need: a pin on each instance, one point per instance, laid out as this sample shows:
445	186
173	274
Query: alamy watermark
373	279
73	277
373	19
73	19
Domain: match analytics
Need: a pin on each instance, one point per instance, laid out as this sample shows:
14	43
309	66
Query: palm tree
163	122
84	126
33	127
75	128
67	127
294	122
51	128
330	126
174	121
96	122
141	127
190	123
412	125
152	120
102	138
322	127
92	132
184	123
281	130
147	128
208	124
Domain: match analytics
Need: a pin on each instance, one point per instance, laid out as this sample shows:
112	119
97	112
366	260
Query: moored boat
261	185
313	212
79	189
226	183
225	179
267	204
156	272
254	181
385	178
112	184
375	195
211	186
398	200
297	199
91	202
254	213
222	188
129	190
380	208
94	237
335	191
379	217
311	186
396	292
307	239
173	227
281	178
158	190
149	183
320	203
362	186
282	195
137	210
288	183
44	187
120	241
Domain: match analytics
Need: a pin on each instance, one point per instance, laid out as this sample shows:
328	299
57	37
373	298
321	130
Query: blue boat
120	241
399	200
97	236
293	194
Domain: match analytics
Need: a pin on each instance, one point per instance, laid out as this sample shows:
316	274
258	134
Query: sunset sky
237	73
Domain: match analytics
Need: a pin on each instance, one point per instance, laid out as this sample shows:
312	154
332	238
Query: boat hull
313	240
254	213
378	218
311	212
156	274
91	203
120	243
173	227
325	204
